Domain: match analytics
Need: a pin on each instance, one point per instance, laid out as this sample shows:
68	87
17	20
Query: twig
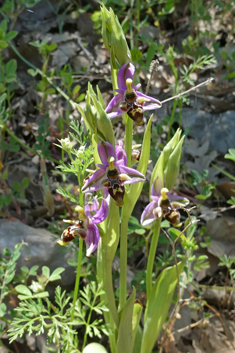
219	317
191	325
189	90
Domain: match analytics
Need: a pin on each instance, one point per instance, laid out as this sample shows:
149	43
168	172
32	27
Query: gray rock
218	129
42	249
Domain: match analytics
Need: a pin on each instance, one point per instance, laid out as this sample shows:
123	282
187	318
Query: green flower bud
171	171
167	150
113	36
103	124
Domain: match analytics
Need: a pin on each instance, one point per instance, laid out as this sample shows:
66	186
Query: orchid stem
75	295
128	139
123	260
152	252
78	274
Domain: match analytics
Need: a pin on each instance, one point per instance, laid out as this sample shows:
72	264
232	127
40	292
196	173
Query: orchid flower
165	205
129	99
112	174
86	226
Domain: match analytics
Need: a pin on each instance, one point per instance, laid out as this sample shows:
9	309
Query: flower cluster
129	100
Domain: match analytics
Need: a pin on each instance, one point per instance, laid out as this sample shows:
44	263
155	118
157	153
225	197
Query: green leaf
138	340
46	271
10	35
76	89
125	337
7	200
10	77
2	98
33	72
3	309
158	306
56	274
3	26
6	252
9	277
16	186
11	66
135	189
3	44
230	155
33	270
230	76
25	183
50	91
110	241
22	289
51	47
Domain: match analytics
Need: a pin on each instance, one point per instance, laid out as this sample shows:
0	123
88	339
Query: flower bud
113	36
170	146
171	171
102	122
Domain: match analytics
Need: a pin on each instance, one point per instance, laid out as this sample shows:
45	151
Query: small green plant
205	186
229	262
36	315
44	86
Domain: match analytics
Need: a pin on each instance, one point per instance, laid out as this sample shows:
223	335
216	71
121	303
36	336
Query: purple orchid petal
91	205
147	216
125	72
113	106
177	198
132	173
120	90
106	150
121	154
115	114
152	104
137	87
157	187
93	182
100	215
92	239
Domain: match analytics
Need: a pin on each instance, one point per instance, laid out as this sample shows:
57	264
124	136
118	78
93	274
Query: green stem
24	145
88	322
123	260
171	119
78	274
75	295
101	279
152	252
128	139
49	80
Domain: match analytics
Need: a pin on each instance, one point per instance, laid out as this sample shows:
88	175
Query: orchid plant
109	188
120	185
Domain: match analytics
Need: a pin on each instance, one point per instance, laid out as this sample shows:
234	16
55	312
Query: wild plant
110	178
